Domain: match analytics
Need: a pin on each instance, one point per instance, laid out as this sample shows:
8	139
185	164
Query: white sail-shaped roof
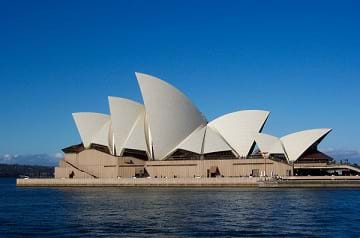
136	139
124	114
148	138
239	128
297	143
102	136
213	142
270	144
170	114
194	141
93	128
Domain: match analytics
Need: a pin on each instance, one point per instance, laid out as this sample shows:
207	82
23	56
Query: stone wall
92	163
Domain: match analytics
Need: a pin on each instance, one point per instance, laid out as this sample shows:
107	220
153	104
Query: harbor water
177	212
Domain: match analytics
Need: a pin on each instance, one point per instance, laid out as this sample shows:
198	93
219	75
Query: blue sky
298	59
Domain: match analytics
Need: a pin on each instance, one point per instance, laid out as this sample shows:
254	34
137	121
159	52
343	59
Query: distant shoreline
32	171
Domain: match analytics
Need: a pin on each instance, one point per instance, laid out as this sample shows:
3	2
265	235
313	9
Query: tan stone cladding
92	163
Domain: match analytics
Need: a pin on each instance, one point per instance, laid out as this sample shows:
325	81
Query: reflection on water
177	212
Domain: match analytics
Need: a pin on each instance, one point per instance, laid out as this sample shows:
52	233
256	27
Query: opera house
168	137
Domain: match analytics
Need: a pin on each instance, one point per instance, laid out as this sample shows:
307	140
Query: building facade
167	136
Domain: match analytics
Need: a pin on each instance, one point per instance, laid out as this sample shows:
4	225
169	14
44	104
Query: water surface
177	212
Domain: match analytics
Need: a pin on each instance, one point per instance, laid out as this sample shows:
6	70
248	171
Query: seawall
140	182
287	182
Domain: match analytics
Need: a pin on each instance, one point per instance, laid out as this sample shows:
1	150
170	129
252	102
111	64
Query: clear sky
298	59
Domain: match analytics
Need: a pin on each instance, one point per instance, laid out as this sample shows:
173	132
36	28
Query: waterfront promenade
142	182
292	181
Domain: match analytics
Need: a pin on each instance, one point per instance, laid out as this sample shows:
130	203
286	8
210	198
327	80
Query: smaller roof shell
239	128
136	139
297	143
194	141
270	144
93	128
124	115
213	142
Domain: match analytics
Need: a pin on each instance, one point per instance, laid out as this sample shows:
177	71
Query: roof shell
136	139
270	144
194	141
213	142
239	128
170	115
297	143
124	115
93	128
